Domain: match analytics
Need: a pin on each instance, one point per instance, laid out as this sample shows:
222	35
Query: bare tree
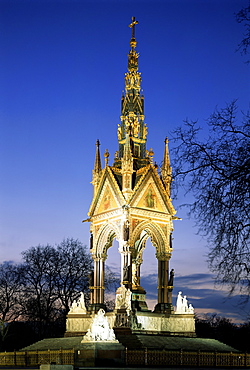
39	294
73	269
214	169
10	287
42	288
73	266
243	16
111	283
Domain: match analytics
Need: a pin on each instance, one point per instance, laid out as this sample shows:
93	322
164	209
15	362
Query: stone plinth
137	322
169	324
100	354
139	299
78	324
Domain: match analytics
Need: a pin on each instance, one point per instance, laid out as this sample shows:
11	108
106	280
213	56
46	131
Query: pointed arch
104	239
145	230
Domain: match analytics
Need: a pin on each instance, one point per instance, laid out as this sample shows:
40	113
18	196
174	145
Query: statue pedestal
139	299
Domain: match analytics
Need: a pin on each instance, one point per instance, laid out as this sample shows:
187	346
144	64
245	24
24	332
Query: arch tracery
152	230
104	239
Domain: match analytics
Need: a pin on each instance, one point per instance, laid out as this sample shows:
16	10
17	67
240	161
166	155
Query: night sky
62	68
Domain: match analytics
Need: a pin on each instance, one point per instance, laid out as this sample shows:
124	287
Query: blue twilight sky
62	66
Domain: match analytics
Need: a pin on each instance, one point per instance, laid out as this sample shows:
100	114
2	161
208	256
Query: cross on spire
132	25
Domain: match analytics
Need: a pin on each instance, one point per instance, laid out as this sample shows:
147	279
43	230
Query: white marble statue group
78	306
123	298
182	305
99	330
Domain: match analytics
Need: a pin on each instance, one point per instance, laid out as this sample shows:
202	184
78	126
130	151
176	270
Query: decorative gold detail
163	287
106	156
135	222
98	287
106	200
132	25
150	198
106	178
133	78
166	170
145	131
119	132
163	256
151	155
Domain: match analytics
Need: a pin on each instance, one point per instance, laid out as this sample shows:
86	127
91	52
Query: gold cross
132	25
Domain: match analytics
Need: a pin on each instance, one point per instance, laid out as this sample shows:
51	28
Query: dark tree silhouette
111	283
213	164
54	276
41	290
39	299
73	265
224	330
243	16
10	289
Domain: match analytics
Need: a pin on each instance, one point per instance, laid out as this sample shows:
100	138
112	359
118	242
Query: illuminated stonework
99	330
78	307
132	203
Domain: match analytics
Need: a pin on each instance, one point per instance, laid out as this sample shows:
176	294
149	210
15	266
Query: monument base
130	341
138	322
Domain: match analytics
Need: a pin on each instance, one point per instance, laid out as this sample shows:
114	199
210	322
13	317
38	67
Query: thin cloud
202	293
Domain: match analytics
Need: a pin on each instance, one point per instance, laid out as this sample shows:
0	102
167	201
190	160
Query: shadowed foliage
243	16
36	295
222	329
213	166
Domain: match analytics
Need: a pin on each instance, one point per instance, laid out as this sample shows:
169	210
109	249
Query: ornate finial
151	155
132	25
106	156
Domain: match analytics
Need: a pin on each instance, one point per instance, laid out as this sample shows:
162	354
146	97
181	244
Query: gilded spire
133	55
166	170
132	112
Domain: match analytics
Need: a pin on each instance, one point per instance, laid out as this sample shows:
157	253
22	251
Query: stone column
126	270
138	293
170	289
126	265
91	286
163	268
98	288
